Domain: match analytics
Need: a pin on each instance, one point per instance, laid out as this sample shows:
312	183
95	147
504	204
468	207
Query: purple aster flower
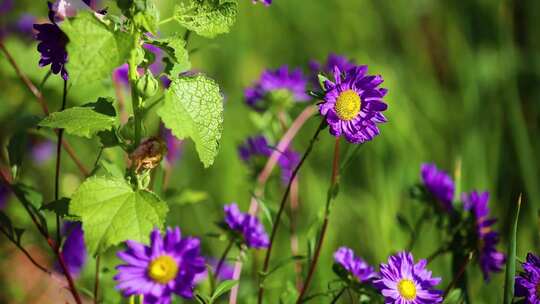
52	45
357	267
439	184
4	195
257	146
74	250
353	104
292	82
333	60
247	226
490	259
528	281
169	265
174	145
404	282
265	2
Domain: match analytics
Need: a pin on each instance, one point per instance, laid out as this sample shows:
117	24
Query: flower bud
147	85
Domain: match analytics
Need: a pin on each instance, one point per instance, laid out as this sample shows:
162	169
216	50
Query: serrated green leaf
177	60
94	48
511	257
112	212
193	108
84	121
222	288
208	18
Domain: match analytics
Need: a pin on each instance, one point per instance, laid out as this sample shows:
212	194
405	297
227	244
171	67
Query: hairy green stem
330	195
282	206
136	99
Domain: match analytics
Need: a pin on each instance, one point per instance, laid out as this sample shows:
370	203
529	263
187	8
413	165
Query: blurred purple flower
42	150
404	282
265	2
225	273
258	146
280	79
168	266
25	25
439	184
528	281
356	266
249	227
174	145
353	104
6	6
73	250
490	259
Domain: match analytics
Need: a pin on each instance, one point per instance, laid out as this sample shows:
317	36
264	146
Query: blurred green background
464	84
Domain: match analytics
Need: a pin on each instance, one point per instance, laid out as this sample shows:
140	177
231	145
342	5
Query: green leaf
18	143
193	107
11	232
112	212
30	198
454	297
94	48
189	197
208	18
84	121
177	60
511	257
222	288
59	207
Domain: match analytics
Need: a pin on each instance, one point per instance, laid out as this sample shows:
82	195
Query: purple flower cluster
52	45
293	82
528	282
74	250
168	266
258	146
355	266
490	259
404	282
248	226
439	184
353	104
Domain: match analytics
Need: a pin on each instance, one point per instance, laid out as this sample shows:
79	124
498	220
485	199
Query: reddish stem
333	182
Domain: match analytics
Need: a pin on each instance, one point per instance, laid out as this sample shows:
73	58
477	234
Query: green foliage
84	121
221	289
112	212
511	257
30	198
60	207
13	233
454	297
207	18
94	48
18	143
193	108
177	60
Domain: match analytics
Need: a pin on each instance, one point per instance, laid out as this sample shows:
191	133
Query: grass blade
511	257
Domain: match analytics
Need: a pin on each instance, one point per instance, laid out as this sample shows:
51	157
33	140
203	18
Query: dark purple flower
282	80
404	282
528	281
357	267
248	226
265	2
174	145
6	6
258	146
52	45
4	194
353	104
74	250
169	265
490	259
439	184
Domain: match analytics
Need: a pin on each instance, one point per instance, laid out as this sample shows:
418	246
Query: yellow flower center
347	105
407	289
163	269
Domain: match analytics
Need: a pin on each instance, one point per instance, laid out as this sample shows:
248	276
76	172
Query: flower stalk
282	206
331	194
